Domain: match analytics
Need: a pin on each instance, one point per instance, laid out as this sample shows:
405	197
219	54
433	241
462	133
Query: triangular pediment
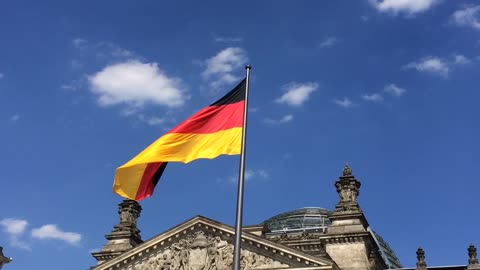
204	244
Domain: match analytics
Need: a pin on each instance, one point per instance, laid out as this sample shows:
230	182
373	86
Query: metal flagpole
241	178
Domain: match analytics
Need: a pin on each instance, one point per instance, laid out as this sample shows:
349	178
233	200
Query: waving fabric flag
213	131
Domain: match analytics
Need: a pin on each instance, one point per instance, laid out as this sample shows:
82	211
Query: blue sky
389	86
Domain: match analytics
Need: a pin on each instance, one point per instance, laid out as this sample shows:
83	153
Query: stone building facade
307	238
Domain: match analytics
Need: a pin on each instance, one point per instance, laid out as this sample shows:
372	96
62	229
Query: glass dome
298	220
315	219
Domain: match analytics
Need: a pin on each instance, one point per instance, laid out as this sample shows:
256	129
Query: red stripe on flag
212	119
149	180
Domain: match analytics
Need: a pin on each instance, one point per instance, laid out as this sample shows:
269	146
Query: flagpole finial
248	67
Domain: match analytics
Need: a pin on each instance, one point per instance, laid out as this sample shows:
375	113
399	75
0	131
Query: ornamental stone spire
125	235
348	216
472	258
348	189
349	229
421	264
3	260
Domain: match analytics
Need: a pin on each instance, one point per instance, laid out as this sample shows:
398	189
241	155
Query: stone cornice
349	238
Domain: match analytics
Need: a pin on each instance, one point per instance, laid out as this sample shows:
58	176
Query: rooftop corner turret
3	260
348	189
350	230
421	263
348	216
125	235
472	258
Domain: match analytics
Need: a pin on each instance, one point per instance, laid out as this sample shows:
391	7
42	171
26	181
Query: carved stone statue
347	171
204	252
129	211
348	189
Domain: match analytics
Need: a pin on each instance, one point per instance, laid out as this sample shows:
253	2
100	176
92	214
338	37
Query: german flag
213	131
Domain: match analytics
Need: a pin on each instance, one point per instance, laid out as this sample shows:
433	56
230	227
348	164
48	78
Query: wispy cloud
431	64
406	6
297	93
344	102
285	119
80	43
394	90
51	231
111	51
252	175
152	121
2	75
460	59
375	97
76	64
228	39
329	42
135	83
220	69
468	16
87	52
15	228
15	117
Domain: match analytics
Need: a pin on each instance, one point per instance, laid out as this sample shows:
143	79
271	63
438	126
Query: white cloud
394	90
80	43
260	174
15	117
285	119
152	121
135	83
249	174
297	93
469	16
407	6
434	65
2	75
76	64
228	39
68	87
263	174
220	68
120	52
108	50
375	97
14	228
345	102
51	231
461	59
329	42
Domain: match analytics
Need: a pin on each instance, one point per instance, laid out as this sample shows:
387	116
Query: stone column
125	235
